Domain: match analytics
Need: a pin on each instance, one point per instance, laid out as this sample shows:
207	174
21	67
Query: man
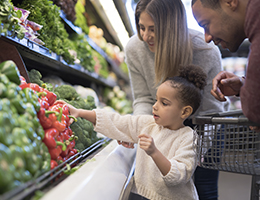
229	22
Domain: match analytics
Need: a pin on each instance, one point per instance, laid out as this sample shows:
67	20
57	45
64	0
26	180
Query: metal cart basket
226	142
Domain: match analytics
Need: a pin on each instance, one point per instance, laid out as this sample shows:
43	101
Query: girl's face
168	111
146	25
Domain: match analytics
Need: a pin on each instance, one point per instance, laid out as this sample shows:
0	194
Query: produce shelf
71	28
53	177
41	58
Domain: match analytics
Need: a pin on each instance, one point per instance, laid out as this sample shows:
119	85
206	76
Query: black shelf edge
41	56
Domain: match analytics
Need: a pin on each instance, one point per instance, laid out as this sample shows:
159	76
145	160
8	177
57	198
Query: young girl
164	43
165	159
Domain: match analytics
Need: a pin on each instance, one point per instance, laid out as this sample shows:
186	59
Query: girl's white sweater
176	145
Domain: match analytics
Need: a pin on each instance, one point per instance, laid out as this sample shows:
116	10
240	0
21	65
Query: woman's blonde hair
173	45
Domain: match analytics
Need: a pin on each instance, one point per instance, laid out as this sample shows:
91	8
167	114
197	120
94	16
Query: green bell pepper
7	125
19	104
12	90
20	137
6	169
20	174
5	105
10	69
32	98
3	90
4	79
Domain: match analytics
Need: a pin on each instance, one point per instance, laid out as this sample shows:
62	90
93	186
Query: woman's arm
140	63
210	60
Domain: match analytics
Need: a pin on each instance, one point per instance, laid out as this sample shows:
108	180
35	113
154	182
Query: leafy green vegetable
9	20
53	32
84	51
80	18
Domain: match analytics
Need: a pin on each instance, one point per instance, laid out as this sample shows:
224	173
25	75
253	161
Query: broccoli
80	129
79	146
67	92
86	133
82	140
91	102
35	77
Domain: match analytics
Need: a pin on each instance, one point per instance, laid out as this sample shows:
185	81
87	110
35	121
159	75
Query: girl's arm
147	144
89	115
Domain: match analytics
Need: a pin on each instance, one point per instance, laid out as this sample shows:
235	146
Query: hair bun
194	74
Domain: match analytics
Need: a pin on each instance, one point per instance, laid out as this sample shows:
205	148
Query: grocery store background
94	67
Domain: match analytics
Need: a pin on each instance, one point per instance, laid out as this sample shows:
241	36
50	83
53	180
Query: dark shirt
250	92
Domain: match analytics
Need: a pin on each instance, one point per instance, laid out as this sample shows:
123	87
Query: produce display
100	66
30	26
23	155
53	32
116	98
84	51
54	119
35	135
81	16
9	20
82	128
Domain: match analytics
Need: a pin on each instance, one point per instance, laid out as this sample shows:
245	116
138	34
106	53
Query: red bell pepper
69	141
72	152
44	103
50	137
54	143
55	152
34	87
53	164
60	123
46	117
65	111
49	95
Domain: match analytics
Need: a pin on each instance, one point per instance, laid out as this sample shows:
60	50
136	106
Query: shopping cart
226	142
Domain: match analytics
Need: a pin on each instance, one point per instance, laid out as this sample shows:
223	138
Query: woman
164	40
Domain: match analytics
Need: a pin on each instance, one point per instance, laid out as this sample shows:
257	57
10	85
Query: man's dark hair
213	4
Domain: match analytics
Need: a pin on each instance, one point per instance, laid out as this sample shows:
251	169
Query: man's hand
226	84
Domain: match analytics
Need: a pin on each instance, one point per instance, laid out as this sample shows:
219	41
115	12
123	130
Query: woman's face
146	25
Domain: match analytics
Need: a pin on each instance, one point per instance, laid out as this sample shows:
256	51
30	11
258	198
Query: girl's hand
147	144
128	145
72	110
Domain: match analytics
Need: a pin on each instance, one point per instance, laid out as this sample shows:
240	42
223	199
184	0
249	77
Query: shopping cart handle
226	113
228	117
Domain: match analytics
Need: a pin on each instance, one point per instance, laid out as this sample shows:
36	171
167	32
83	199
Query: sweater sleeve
143	100
120	127
183	164
250	92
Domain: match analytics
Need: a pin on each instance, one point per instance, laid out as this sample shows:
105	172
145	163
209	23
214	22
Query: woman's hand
226	84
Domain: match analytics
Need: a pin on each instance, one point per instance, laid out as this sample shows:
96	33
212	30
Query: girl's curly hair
190	82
